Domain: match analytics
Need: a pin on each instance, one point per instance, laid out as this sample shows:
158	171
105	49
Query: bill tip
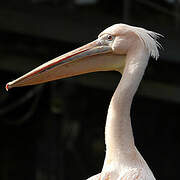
7	86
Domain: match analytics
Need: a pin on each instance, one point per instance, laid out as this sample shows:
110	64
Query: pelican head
107	52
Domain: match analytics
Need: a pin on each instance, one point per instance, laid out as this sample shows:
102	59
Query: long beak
72	63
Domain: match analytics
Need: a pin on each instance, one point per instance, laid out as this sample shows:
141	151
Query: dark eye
109	37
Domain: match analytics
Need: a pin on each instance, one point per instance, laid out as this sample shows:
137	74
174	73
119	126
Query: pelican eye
110	38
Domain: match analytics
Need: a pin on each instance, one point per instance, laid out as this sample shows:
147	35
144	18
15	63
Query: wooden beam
80	26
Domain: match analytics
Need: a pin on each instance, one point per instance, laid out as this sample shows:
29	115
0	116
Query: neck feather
118	132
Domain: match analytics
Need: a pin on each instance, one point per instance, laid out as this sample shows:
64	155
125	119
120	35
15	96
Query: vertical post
176	9
126	10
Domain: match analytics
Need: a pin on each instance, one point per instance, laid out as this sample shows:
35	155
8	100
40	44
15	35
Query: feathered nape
149	38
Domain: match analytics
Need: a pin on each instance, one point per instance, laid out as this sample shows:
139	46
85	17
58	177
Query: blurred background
55	131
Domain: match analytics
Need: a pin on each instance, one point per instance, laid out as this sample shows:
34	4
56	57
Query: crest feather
149	38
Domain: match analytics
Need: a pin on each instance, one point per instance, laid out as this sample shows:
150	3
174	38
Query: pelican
122	48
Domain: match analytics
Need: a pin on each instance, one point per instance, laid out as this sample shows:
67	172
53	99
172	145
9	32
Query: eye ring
109	37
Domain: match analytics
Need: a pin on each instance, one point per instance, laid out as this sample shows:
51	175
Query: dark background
55	131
